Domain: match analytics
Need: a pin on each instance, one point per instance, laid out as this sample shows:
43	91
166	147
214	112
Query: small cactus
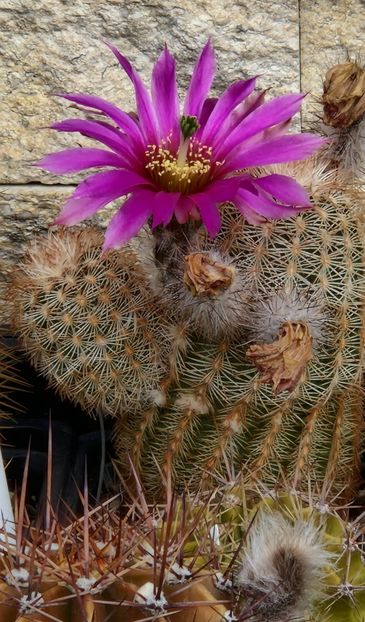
232	554
280	390
90	323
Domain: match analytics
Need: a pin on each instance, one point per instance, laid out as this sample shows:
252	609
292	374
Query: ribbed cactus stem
270	378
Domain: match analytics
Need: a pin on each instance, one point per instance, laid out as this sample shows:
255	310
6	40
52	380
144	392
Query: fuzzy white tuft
18	576
178	574
157	397
282	568
107	549
86	584
146	596
189	401
222	583
267	316
29	602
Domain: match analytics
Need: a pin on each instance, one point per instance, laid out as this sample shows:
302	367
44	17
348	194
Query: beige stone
329	31
53	45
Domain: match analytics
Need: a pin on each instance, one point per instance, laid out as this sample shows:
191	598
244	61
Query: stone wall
49	46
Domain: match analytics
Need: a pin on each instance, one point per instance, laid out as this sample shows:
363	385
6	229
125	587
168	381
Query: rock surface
56	45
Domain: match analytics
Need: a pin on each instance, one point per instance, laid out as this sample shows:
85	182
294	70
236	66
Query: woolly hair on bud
199	285
89	322
282	567
283	394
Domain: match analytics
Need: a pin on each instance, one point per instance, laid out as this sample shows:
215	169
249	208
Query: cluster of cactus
247	349
228	555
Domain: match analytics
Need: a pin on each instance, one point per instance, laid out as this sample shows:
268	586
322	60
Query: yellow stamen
187	171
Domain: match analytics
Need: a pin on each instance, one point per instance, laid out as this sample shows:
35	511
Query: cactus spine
10	381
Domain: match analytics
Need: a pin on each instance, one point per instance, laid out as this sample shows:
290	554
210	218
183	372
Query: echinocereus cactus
184	165
90	323
271	376
267	317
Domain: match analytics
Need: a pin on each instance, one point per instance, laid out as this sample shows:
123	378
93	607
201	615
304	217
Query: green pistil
188	126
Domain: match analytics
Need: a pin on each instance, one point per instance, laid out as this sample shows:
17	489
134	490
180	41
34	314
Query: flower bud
344	95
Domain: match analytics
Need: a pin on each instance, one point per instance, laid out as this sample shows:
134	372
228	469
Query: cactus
246	349
283	535
274	332
232	554
89	322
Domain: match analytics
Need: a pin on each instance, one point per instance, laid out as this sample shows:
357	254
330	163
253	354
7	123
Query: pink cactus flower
184	165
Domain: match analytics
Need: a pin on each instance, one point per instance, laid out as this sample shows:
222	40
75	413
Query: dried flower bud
344	95
205	276
283	362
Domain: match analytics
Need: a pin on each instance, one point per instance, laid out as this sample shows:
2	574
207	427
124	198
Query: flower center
172	175
186	171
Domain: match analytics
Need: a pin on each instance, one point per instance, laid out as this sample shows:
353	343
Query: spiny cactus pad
89	322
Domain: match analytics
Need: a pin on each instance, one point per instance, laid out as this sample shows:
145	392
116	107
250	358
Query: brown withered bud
344	95
206	277
283	362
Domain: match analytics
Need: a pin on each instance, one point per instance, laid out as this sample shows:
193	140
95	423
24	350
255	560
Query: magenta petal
209	213
223	189
75	160
164	204
121	118
284	189
93	129
283	149
165	97
95	192
145	109
129	219
184	208
207	109
264	206
218	121
271	113
201	81
250	104
252	217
